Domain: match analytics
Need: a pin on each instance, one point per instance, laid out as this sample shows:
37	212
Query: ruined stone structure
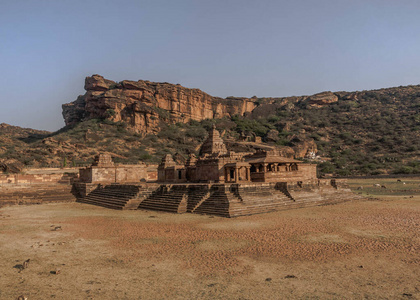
218	182
103	170
217	164
36	186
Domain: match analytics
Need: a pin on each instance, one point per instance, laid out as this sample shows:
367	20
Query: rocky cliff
142	105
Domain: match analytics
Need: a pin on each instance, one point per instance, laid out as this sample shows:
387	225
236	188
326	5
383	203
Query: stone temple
217	182
218	165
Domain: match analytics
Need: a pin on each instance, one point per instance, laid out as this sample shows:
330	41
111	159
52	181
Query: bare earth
355	250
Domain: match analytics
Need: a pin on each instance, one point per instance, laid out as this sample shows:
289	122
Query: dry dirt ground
355	250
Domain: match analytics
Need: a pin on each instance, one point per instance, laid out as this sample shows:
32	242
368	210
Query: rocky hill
144	105
12	139
346	133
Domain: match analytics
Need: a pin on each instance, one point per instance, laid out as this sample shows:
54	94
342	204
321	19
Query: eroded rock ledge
143	105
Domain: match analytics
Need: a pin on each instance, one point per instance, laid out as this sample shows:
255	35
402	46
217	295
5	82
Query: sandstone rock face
303	146
142	105
306	148
322	99
97	83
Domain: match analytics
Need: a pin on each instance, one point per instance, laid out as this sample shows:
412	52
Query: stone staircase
196	196
332	195
322	195
113	196
241	200
168	198
217	203
257	200
142	194
225	200
305	197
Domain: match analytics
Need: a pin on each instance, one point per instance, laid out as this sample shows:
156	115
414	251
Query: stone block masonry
225	200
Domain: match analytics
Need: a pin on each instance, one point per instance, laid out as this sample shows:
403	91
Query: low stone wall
306	172
14	194
36	178
51	170
119	174
38	186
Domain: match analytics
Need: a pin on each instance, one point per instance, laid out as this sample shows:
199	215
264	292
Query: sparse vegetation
378	132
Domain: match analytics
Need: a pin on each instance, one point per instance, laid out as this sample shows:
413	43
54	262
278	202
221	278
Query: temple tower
213	144
103	160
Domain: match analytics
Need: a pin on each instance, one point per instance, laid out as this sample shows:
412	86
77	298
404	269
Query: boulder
97	83
322	99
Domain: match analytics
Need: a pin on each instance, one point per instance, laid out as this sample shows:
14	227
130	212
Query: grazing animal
398	180
21	297
377	185
26	263
360	188
382	186
57	228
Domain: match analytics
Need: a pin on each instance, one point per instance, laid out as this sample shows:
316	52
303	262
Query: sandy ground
354	250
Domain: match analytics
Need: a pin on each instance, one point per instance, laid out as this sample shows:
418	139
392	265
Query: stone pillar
248	174
236	174
265	168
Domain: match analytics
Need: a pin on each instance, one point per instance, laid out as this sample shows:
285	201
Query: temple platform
225	200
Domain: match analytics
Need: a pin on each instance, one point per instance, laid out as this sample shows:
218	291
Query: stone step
119	207
157	204
106	201
173	200
103	203
117	199
119	194
159	208
110	195
102	198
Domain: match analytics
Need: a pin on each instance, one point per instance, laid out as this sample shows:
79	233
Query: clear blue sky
225	48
